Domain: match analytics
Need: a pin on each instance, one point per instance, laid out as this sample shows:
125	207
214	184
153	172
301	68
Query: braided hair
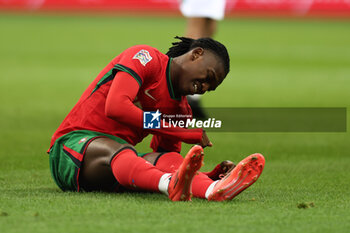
186	44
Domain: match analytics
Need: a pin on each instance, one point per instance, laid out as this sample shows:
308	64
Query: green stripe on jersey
129	71
107	77
111	74
170	84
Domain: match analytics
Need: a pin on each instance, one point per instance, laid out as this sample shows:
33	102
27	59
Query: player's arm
120	107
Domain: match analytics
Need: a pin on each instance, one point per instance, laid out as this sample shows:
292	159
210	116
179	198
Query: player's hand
220	170
205	140
226	166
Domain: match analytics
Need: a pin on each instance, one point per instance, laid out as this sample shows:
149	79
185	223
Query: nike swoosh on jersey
149	95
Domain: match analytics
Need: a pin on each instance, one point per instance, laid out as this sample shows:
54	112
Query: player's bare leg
96	173
198	27
107	163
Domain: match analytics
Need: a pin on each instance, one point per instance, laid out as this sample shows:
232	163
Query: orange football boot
181	181
238	179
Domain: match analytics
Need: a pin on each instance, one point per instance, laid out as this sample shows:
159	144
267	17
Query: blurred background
326	8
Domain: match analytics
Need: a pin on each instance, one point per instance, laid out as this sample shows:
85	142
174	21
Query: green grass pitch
48	60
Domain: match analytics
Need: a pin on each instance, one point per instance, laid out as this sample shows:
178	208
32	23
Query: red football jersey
136	80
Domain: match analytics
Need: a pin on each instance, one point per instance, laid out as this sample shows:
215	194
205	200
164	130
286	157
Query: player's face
202	71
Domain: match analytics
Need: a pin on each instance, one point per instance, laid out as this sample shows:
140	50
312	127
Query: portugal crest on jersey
143	56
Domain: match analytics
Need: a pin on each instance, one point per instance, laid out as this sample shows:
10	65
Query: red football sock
134	172
200	185
171	161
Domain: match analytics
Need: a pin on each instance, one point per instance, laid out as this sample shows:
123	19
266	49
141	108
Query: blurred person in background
202	17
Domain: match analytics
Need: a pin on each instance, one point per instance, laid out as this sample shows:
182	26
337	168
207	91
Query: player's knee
119	149
102	150
153	157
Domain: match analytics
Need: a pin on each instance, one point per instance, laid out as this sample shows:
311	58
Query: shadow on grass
125	196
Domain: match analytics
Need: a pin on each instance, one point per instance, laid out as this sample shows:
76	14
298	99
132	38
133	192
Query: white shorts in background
214	9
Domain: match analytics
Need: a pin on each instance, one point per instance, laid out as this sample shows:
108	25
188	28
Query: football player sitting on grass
93	147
